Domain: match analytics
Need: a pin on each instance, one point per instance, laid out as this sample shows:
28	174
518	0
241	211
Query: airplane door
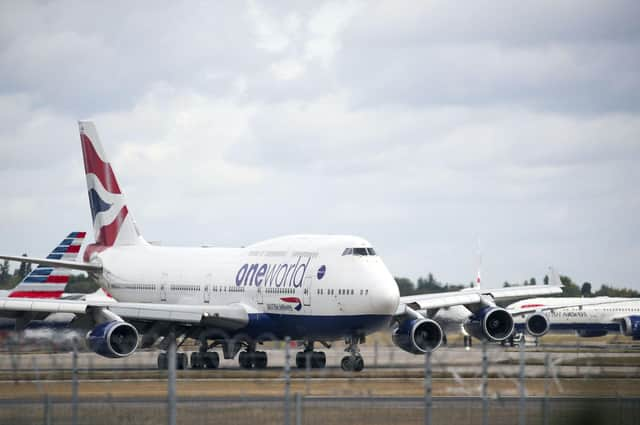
306	290
163	288
207	294
259	295
206	290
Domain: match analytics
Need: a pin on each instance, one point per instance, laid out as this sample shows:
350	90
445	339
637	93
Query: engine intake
418	336
113	339
630	326
537	324
490	324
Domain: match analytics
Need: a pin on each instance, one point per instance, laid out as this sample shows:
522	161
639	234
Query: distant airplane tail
49	282
113	224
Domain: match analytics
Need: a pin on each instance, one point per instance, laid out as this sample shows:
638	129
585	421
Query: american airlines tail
49	282
113	224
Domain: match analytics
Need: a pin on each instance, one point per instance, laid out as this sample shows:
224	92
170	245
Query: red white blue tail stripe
112	222
49	282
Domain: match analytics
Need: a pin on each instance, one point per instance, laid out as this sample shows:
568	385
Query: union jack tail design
112	222
49	282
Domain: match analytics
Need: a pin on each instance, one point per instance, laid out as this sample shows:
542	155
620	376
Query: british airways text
289	275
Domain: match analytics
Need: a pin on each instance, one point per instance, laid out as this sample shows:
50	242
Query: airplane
310	288
596	316
44	283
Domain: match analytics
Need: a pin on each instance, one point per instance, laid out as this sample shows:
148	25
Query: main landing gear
181	361
310	358
204	359
353	362
252	359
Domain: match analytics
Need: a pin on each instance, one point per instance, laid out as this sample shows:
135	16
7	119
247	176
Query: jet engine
113	339
417	336
490	324
630	326
537	324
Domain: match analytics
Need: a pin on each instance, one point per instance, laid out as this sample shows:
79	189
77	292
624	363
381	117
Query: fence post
74	383
171	384
375	354
47	410
287	381
485	384
427	388
545	405
523	390
298	409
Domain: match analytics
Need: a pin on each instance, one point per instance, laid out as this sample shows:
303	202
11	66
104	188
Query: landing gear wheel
253	359
181	361
211	360
197	360
244	360
352	363
317	359
260	360
162	361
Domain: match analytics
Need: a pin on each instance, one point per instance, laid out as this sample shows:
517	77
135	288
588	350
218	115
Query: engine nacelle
589	333
630	326
113	339
537	324
490	324
418	336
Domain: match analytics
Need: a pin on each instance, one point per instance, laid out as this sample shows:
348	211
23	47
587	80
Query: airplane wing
583	303
231	316
475	296
87	267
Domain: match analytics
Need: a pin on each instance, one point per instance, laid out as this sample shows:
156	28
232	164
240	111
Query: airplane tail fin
113	224
49	282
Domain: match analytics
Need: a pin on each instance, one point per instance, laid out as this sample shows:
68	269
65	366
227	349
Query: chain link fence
47	382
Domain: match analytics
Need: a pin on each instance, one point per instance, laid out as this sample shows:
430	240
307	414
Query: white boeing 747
596	316
311	288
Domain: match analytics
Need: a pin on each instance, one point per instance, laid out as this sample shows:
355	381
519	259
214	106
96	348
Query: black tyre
346	364
244	360
260	360
182	361
162	361
358	364
211	360
319	360
197	360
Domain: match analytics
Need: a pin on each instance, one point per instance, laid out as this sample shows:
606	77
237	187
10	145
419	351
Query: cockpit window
359	251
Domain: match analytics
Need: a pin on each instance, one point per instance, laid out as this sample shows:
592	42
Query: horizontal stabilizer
73	265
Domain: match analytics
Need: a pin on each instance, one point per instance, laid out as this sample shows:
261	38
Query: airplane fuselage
296	286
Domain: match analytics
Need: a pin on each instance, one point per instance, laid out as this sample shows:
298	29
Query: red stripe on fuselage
94	165
290	299
36	294
531	305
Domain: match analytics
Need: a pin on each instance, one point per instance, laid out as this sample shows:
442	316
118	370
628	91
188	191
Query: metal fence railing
53	383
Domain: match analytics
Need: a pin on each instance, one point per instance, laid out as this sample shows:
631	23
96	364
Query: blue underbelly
315	327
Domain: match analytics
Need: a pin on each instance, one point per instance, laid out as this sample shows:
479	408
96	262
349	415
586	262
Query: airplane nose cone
385	297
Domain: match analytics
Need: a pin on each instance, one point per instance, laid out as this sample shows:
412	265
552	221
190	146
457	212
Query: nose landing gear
354	361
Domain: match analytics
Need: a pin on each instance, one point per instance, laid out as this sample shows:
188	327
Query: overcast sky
423	127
